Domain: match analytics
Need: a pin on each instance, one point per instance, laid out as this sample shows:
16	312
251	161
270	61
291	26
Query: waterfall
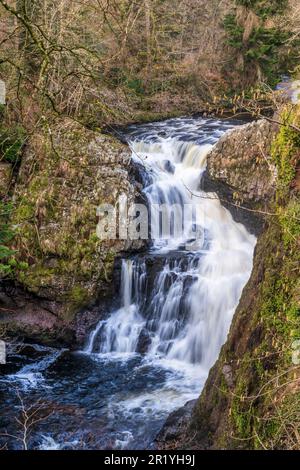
179	306
151	352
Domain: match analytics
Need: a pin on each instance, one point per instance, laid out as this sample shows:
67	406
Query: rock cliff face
67	171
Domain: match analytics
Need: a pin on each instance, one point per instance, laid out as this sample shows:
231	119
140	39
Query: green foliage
284	153
8	262
247	3
136	85
120	77
234	32
240	410
262	48
264	8
11	143
6	235
289	219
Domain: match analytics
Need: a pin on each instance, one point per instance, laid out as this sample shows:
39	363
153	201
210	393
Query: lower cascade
153	353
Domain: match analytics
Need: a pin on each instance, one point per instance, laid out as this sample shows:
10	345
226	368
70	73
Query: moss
289	220
78	296
24	212
35	276
240	411
284	153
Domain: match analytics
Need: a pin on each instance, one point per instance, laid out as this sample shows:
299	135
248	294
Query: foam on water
31	375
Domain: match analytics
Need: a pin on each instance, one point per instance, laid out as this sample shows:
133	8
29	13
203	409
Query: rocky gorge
69	269
116	338
73	278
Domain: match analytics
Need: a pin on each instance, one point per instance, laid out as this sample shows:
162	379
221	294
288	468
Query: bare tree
30	417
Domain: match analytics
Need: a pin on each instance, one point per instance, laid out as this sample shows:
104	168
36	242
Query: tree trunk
148	38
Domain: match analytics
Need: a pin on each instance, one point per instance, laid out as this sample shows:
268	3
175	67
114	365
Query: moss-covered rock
67	171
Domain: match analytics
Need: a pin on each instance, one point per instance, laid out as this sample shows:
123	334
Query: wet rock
139	173
143	342
168	166
23	317
227	372
86	321
241	213
175	425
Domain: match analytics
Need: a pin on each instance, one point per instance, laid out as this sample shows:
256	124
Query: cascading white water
186	313
121	332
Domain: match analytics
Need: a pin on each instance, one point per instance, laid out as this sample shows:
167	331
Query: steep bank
66	172
252	396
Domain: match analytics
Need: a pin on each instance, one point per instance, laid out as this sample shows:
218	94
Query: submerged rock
144	342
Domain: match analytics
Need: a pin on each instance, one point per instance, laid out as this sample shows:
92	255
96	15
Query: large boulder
240	169
242	160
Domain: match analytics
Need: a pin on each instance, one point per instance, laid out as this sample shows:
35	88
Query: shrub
11	143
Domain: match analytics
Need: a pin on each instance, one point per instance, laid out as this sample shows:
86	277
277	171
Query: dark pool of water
89	402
